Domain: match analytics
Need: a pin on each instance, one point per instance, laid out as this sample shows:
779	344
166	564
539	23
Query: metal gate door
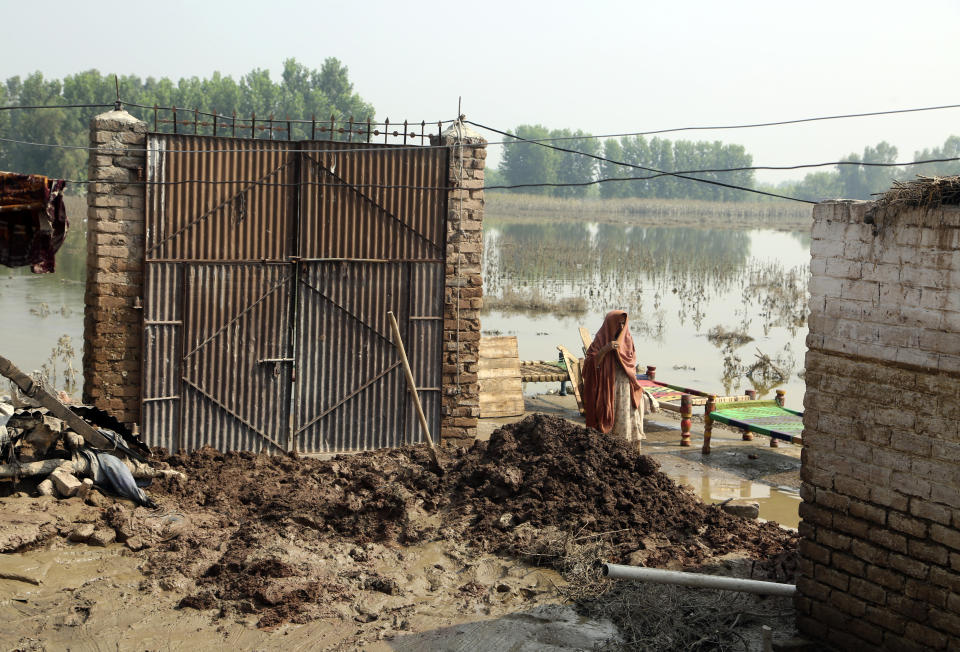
269	274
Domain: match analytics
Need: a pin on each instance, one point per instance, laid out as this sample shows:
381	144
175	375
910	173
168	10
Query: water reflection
676	283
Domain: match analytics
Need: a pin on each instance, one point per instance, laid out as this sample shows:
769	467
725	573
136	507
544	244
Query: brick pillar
880	546
115	248
463	287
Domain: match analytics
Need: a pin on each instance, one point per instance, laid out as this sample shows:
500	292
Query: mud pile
550	472
284	536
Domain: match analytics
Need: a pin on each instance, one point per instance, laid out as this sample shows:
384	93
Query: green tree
525	163
301	93
575	168
613	151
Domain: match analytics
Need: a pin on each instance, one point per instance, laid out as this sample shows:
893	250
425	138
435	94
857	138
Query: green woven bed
762	417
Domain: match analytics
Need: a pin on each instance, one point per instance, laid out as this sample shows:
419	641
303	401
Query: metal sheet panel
218	354
424	344
236	373
211	199
372	204
350	385
162	352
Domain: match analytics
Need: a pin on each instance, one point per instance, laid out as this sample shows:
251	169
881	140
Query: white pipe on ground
698	580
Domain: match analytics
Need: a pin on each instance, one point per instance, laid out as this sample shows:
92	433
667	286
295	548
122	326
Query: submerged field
703	303
778	215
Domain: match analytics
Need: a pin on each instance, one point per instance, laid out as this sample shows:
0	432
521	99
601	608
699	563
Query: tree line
301	92
863	182
634	156
527	163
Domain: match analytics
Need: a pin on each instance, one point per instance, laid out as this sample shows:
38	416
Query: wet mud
375	539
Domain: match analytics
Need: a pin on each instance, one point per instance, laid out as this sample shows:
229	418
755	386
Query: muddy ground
379	546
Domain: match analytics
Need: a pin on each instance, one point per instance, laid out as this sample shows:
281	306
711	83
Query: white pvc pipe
698	580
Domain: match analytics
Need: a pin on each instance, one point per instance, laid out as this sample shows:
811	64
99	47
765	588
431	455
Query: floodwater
713	485
676	284
38	310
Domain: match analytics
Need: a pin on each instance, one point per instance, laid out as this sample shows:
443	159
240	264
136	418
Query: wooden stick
49	401
398	342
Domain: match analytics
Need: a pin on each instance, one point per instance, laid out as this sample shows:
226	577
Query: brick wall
463	287
880	547
115	246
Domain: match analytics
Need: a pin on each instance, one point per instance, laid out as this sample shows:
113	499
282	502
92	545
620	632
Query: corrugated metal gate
270	268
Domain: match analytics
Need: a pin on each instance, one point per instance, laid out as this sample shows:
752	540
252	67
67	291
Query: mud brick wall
115	248
463	287
880	547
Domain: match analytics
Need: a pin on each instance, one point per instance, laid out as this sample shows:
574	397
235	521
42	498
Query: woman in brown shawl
612	396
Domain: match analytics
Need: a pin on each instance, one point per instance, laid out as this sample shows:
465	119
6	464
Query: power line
56	106
646	169
742	126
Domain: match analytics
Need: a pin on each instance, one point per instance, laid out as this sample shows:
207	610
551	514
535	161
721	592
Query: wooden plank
497	385
499	376
503	372
586	339
499	347
499	363
511	409
573	368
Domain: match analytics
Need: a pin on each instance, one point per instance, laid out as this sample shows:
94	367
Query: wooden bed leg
781	394
651	372
686	412
746	435
708	423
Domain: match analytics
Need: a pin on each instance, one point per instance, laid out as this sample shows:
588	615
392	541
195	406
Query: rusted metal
244	219
267	293
236	316
360	222
162	354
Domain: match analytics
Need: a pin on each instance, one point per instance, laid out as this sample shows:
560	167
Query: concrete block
742	508
65	483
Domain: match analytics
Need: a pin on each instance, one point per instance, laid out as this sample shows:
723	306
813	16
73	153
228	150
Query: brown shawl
599	373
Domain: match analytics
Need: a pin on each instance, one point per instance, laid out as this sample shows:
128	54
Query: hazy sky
605	67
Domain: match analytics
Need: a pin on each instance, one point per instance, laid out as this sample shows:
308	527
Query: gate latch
276	363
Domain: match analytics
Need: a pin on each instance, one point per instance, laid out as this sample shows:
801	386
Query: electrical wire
646	169
107	149
743	126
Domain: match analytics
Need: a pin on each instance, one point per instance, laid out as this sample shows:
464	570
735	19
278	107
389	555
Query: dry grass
781	215
720	336
922	192
533	302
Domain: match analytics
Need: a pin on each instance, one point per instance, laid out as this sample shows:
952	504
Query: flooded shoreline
676	283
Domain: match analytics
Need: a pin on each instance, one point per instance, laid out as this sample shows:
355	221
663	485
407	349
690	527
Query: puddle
780	504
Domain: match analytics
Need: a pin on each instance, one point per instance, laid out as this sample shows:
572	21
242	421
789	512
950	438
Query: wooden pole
398	342
708	423
686	412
